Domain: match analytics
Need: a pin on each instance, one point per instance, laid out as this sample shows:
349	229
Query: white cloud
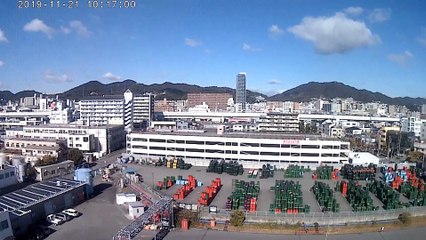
336	34
247	47
422	38
380	15
65	30
55	78
3	37
274	81
1	63
275	31
354	11
192	42
401	58
111	77
80	28
37	25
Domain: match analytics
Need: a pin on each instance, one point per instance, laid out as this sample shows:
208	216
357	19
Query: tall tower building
240	93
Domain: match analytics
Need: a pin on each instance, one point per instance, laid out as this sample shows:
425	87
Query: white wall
7	232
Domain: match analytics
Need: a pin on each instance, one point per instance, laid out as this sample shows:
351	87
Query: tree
237	218
75	155
46	160
415	156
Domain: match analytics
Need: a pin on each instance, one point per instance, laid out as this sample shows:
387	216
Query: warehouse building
252	150
32	204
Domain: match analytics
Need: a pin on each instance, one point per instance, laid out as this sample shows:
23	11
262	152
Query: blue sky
375	45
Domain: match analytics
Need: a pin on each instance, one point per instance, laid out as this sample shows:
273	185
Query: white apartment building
99	140
252	150
279	122
126	109
102	110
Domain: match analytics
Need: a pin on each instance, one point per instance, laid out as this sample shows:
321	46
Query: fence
329	218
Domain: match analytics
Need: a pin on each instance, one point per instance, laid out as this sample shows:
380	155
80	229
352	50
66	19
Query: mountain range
175	91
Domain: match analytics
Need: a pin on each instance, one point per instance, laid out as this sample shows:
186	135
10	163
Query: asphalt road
201	234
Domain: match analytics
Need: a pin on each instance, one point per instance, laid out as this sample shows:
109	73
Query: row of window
212	143
7	175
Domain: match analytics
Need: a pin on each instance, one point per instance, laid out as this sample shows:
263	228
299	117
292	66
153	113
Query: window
85	139
4	225
12	174
6	175
1	176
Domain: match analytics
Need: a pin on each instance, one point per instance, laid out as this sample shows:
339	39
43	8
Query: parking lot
101	218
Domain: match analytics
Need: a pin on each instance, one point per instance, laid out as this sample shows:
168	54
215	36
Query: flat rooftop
19	201
74	126
256	135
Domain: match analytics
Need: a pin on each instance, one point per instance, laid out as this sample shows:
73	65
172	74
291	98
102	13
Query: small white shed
136	209
122	198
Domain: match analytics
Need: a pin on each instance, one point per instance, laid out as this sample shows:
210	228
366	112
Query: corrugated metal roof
18	201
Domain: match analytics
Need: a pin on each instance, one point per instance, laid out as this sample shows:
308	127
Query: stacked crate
178	163
166	183
294	171
267	171
245	194
232	167
186	189
325	172
325	197
209	194
414	190
288	198
357	196
385	194
351	172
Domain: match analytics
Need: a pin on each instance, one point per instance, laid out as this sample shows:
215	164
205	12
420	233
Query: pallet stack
325	197
232	167
357	196
294	171
388	196
209	194
351	172
178	163
245	194
288	198
414	190
166	183
267	171
326	173
186	189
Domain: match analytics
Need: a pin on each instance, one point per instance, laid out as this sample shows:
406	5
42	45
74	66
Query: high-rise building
240	93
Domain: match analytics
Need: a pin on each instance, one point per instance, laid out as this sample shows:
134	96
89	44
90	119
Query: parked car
38	232
63	216
71	212
55	220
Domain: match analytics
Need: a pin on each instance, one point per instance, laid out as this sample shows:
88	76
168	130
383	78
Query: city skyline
378	46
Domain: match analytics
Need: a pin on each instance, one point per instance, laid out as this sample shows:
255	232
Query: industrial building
54	170
99	140
32	204
252	150
7	175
